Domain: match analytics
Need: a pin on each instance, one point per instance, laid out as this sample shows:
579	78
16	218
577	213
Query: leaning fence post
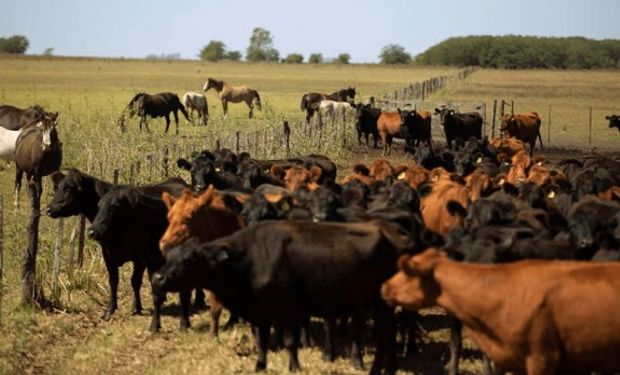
81	240
237	146
131	174
115	176
56	268
493	124
218	144
165	161
72	250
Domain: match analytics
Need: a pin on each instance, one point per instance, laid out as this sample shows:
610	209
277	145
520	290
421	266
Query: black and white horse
195	101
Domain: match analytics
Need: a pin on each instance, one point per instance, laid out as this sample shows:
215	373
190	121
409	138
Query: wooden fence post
237	145
512	107
1	256
81	241
493	123
131	171
265	143
501	108
286	129
56	268
590	128
218	144
115	176
149	160
165	161
31	292
549	126
72	250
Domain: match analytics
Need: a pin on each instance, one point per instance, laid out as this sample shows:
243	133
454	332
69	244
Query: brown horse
38	153
14	118
233	94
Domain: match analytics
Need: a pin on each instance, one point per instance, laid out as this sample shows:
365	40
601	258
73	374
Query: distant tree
48	52
163	56
261	47
343	58
394	54
315	58
214	51
232	56
293	58
14	44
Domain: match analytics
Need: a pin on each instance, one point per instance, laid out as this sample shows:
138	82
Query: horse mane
219	84
136	97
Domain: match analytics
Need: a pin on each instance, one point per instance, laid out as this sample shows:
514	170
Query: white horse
335	109
195	101
7	143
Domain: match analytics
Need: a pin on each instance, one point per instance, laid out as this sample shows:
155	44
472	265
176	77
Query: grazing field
90	95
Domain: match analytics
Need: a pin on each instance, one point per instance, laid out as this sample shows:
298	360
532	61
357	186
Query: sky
137	28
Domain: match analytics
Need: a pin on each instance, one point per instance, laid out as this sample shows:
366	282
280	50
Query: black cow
590	222
157	105
460	125
204	172
77	193
366	123
280	272
614	121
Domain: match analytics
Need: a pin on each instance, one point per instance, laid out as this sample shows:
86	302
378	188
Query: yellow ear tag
267	171
539	163
285	206
501	182
401	176
479	160
551	194
218	169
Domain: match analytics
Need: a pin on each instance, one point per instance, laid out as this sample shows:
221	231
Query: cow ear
437	111
184	164
399	111
607	118
168	199
56	178
101	188
315	173
361	169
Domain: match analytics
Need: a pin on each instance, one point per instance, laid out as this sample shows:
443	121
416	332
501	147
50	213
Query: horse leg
18	184
167	123
251	106
176	120
225	106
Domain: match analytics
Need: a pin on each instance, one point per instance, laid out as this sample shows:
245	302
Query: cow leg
359	138
385	333
176	120
136	284
329	348
216	312
113	281
262	333
158	300
304	334
291	342
540	365
456	344
18	184
410	331
375	137
356	341
185	298
199	299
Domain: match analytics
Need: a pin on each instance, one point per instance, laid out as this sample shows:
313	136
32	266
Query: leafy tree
315	58
232	56
343	58
214	51
48	52
394	54
294	58
14	44
261	46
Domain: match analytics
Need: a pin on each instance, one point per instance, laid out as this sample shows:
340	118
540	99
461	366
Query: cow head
508	124
322	203
71	193
445	115
413	287
202	170
116	211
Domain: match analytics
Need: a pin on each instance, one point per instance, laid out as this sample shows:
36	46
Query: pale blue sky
116	28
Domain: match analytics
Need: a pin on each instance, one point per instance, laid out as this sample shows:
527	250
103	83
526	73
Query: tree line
14	44
524	52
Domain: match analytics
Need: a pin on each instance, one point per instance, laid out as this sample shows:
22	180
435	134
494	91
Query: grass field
90	94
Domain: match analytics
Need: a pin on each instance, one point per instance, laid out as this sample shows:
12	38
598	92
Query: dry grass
90	93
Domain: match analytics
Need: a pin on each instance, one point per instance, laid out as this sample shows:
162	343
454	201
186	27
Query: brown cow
536	317
380	169
524	126
206	217
388	125
509	146
360	173
520	166
434	205
297	177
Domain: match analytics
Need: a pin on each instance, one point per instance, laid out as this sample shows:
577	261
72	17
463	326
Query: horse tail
258	104
304	103
182	109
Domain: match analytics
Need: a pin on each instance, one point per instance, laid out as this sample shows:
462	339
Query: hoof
260	367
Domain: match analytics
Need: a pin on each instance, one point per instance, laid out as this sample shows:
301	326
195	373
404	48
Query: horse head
213	83
134	104
47	126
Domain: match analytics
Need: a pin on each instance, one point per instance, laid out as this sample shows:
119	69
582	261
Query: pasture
90	94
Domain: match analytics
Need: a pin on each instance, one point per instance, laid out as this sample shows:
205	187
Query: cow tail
540	140
258	104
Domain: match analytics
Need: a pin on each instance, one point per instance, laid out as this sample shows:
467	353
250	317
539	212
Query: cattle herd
520	252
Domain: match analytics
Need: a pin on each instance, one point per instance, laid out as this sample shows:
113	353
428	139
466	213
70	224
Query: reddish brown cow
298	177
360	173
536	317
415	175
509	146
380	169
204	216
434	205
524	126
520	165
388	125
